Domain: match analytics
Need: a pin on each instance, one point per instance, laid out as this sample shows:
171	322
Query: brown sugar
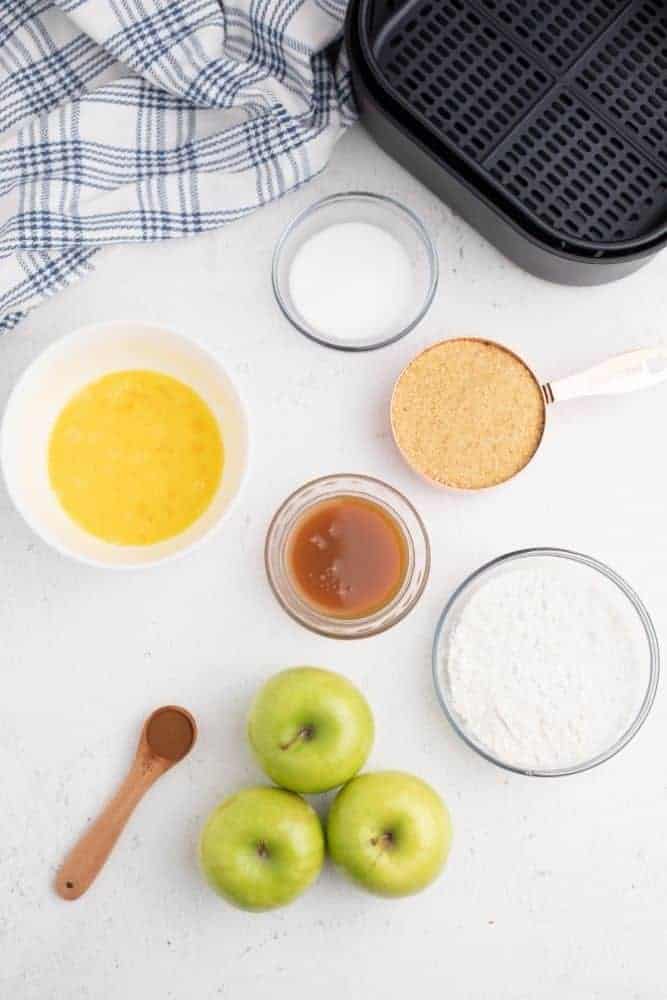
467	413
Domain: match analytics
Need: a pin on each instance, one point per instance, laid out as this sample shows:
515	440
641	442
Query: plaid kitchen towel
137	120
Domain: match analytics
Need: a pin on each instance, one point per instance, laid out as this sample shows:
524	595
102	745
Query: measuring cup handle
638	369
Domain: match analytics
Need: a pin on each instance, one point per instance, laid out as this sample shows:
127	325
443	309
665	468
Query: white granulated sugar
544	664
353	282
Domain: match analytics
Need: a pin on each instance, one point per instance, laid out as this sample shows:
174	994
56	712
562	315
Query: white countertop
555	890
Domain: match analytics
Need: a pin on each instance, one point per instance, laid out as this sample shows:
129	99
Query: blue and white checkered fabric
138	120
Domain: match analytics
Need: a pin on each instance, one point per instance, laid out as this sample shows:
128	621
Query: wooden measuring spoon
167	735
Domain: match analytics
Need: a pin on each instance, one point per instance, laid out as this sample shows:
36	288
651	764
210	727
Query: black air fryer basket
543	123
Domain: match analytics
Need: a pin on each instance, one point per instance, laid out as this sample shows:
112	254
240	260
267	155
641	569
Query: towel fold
140	120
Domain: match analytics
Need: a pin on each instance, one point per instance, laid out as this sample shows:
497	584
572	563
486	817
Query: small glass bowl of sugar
355	271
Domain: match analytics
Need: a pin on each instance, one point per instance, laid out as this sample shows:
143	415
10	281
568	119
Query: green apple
311	729
261	848
390	832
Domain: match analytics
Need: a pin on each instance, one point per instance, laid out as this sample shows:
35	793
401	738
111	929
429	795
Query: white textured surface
545	663
555	888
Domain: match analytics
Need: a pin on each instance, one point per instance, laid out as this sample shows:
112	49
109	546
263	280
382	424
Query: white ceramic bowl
63	369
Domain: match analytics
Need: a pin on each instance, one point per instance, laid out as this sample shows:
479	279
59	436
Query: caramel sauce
347	557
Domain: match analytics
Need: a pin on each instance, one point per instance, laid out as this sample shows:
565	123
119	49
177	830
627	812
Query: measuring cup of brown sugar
347	556
469	414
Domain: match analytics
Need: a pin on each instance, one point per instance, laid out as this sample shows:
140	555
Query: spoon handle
87	857
623	373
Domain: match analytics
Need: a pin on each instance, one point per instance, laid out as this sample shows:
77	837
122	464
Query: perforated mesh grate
557	32
626	76
562	107
571	170
462	75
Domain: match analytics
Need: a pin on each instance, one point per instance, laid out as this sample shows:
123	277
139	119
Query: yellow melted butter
135	457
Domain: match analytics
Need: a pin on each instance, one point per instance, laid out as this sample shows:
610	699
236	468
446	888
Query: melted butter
135	457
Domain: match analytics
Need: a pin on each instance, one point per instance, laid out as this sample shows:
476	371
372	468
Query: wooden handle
87	857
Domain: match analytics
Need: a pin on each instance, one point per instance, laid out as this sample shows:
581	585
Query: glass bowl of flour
546	662
355	271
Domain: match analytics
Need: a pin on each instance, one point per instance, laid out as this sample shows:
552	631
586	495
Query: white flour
544	664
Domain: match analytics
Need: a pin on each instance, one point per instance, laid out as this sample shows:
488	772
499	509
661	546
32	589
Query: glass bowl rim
649	630
373	630
341	196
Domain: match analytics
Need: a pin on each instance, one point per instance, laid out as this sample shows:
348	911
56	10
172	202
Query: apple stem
305	734
384	841
262	849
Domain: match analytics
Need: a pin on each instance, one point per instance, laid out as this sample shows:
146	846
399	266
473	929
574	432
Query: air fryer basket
557	111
